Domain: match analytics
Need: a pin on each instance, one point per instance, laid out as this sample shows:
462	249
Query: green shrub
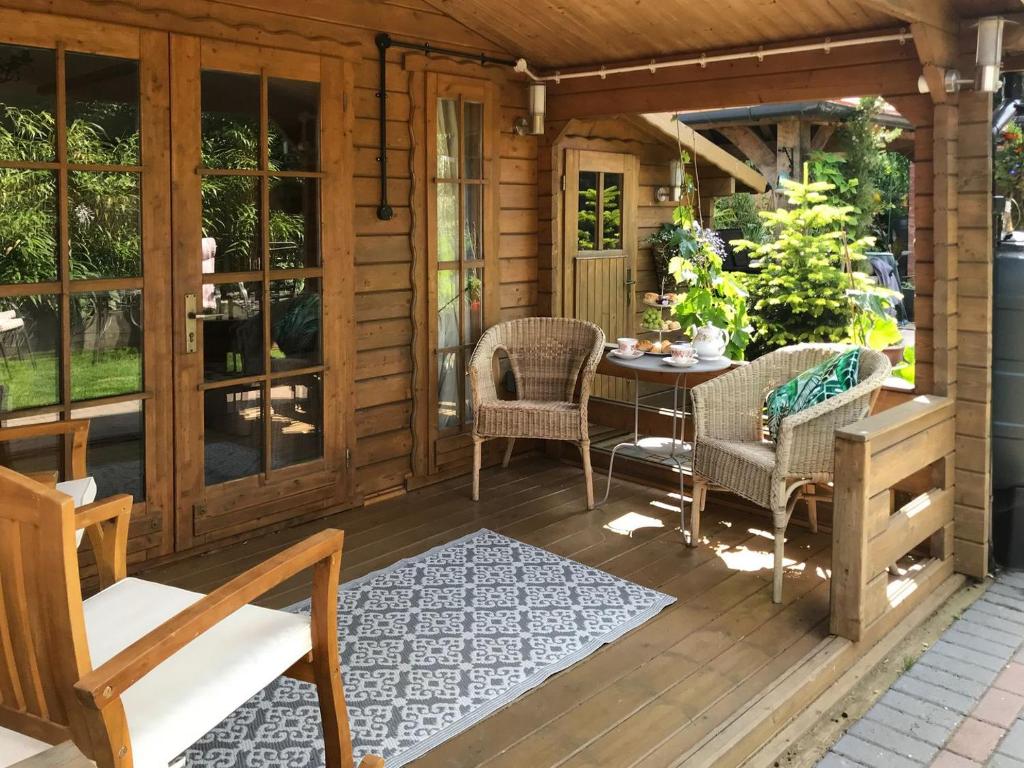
802	291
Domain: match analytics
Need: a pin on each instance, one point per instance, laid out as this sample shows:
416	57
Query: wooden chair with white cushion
139	672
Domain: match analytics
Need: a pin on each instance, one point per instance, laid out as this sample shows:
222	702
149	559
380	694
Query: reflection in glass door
256	273
260	252
82	241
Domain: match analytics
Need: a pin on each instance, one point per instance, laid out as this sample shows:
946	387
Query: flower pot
895	354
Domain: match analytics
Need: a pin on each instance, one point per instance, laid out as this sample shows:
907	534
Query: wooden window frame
150	49
444	86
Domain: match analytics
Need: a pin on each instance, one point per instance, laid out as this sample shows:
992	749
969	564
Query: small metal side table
673	448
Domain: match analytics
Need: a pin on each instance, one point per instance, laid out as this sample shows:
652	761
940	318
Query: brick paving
961	704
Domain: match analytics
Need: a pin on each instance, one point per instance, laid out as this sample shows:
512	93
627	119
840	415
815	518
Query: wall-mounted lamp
538	103
534	124
988	61
674	191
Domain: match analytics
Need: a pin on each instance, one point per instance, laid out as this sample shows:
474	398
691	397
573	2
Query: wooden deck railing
907	448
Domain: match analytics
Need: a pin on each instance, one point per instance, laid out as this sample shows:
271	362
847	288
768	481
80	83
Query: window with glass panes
460	249
71	257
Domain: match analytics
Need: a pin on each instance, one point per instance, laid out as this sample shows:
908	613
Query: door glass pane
106	344
294	107
117	448
447	139
611	212
104	225
295	319
294	223
28	226
29	352
233	421
231	224
36	454
232	333
231	120
473	300
586	216
447	308
473	225
102	109
28	103
447	222
473	130
448	374
297	430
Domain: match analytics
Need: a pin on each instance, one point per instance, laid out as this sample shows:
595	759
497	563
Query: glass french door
85	256
259	268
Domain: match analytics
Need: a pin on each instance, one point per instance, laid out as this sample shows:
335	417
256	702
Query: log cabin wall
387	312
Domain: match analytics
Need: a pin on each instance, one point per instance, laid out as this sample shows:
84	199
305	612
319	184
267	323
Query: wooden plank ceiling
566	33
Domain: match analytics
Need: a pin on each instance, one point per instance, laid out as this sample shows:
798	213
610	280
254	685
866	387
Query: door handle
192	317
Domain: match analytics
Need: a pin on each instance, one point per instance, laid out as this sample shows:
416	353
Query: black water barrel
1008	403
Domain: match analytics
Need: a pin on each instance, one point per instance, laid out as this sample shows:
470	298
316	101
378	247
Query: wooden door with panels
599	248
462	264
262	294
85	257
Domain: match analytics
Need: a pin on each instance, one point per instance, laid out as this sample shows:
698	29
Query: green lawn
105	373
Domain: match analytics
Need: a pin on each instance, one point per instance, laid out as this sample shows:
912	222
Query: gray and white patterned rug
434	644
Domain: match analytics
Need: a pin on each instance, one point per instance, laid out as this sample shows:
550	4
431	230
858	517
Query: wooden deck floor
658	696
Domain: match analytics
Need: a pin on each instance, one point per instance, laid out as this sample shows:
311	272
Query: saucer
626	356
681	363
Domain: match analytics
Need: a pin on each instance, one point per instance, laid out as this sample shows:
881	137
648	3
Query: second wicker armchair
553	361
731	452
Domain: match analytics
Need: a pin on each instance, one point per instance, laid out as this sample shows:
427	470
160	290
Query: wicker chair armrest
807	439
481	372
589	368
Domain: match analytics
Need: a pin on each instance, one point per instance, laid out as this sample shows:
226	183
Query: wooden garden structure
233	429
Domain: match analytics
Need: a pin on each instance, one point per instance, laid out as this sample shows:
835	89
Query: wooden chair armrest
105	684
106	523
49	479
77	428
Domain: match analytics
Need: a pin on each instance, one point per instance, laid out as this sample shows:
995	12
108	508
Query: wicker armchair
549	357
731	452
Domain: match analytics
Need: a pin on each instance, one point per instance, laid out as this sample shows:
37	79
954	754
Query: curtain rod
826	46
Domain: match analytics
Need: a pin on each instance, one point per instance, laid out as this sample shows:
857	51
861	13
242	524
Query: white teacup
682	353
627	346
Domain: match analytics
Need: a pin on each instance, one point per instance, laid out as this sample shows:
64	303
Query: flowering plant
712	294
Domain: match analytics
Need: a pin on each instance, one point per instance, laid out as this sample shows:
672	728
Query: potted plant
712	295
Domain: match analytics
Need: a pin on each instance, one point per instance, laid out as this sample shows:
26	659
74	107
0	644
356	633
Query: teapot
709	342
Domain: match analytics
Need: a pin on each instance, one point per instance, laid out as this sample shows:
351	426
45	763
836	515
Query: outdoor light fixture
676	179
990	54
538	99
988	61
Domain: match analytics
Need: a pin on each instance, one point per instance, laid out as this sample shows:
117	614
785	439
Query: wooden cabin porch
708	682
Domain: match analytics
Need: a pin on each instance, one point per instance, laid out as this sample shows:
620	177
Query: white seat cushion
11	324
178	702
15	747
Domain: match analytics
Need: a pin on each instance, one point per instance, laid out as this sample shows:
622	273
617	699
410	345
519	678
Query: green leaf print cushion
815	385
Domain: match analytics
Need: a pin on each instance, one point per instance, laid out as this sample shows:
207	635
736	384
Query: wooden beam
822	137
935	13
937	49
747	141
705	149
